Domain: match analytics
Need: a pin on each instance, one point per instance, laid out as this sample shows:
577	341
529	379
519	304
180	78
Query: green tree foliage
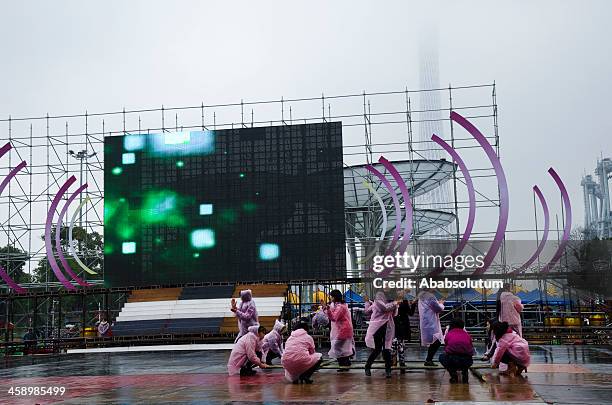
88	246
13	261
591	265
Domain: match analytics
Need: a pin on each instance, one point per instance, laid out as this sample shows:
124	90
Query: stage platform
157	348
560	374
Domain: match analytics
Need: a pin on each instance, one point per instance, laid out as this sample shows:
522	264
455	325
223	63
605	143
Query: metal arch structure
73	252
567	223
49	224
544	238
58	243
493	157
471	199
421	176
366	219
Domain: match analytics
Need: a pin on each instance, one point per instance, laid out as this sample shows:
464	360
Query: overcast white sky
551	61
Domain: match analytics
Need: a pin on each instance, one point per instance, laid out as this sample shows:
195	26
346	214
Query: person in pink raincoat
341	335
510	308
300	360
244	354
246	312
381	330
511	349
319	320
429	320
272	345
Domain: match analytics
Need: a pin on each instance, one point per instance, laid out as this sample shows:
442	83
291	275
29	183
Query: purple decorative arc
11	174
471	196
10	282
540	247
58	273
5	148
568	221
407	205
3	274
396	204
502	185
383	232
58	243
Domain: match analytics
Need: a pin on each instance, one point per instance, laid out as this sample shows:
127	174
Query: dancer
429	320
244	354
272	346
381	331
512	349
300	360
458	351
405	310
319	320
490	341
341	335
510	308
104	328
246	312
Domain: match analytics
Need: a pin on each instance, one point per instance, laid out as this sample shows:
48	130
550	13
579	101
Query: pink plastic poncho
245	349
273	341
341	335
511	307
382	313
320	320
299	354
516	346
246	313
429	318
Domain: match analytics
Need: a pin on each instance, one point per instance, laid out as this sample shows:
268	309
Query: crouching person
458	351
244	354
299	359
272	346
511	349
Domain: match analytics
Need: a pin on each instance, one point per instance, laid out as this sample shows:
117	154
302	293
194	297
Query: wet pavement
559	374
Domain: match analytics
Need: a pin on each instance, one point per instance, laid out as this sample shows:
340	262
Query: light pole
81	156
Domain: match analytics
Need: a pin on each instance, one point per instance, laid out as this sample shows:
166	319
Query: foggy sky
551	61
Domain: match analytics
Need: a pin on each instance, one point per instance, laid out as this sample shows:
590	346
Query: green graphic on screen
249	204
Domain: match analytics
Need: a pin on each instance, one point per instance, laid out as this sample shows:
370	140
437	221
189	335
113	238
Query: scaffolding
57	147
374	123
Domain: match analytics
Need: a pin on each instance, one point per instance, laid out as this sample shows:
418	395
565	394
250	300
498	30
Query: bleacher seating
194	310
140	327
158	294
194	293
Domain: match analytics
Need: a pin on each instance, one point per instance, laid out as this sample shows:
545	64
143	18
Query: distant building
597	215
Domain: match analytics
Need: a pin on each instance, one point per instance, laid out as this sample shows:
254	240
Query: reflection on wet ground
560	374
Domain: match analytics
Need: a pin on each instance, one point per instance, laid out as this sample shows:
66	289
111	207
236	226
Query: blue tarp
531	297
351	296
468	294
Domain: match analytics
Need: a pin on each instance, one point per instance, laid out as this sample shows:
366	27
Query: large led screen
248	204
